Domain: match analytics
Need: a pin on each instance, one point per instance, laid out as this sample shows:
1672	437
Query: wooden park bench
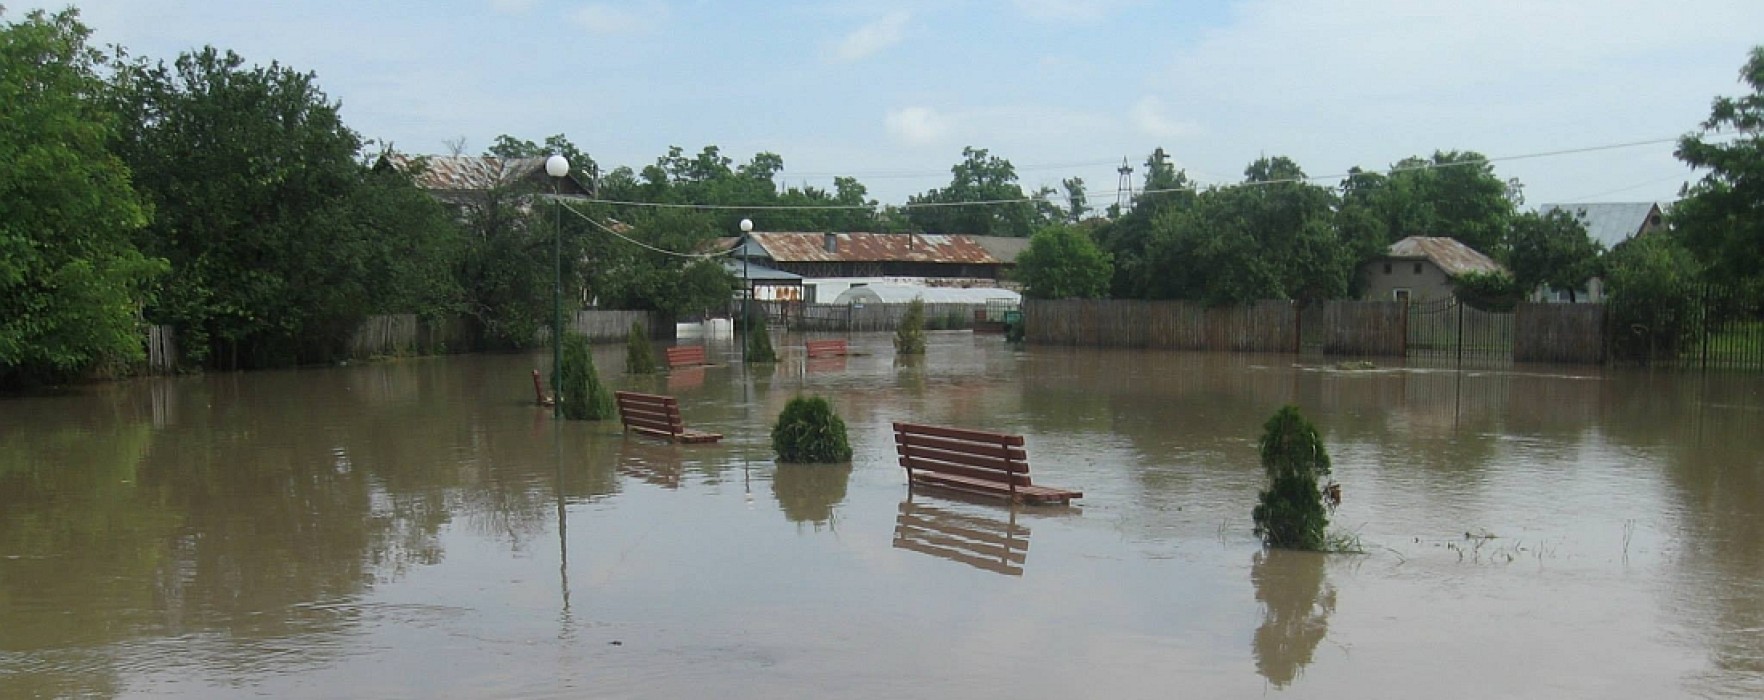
973	461
826	348
685	356
658	416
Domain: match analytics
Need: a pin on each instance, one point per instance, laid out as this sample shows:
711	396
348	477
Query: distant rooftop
1451	256
873	247
471	173
1611	223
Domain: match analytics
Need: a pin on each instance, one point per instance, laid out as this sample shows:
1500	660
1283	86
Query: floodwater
417	529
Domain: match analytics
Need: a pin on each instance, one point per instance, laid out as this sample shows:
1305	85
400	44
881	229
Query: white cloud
917	126
1068	10
621	18
1148	116
873	37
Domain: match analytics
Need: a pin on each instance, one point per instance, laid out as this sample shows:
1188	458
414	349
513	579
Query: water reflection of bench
999	546
657	464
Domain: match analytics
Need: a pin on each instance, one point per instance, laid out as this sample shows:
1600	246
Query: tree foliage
71	280
909	337
1552	250
580	392
280	241
1290	512
1721	217
1454	194
1062	262
809	431
1270	238
980	177
639	356
1653	282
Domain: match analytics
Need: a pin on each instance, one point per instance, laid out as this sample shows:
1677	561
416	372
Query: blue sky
890	92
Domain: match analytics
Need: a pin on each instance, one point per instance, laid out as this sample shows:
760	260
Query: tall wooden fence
1567	333
1264	326
1366	328
407	334
605	326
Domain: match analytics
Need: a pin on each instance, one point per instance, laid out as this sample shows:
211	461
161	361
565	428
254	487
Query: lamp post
557	167
746	290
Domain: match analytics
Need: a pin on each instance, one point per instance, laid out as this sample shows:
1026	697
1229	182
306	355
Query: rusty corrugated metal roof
874	247
470	173
1450	255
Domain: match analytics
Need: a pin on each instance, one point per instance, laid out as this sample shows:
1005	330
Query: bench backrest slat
996	457
825	347
685	355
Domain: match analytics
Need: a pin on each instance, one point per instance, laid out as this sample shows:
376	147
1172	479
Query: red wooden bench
658	416
685	356
973	461
826	348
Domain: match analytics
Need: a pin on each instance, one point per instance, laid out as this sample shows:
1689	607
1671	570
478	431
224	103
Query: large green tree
280	239
1271	237
1721	217
1062	262
1128	238
71	280
982	199
1454	194
1552	250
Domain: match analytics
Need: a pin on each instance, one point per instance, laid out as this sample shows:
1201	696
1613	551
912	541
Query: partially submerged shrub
808	431
1291	512
759	343
909	339
583	396
639	357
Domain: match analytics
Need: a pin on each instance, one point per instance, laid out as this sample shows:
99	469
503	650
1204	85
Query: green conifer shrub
1291	513
808	431
909	338
639	357
583	396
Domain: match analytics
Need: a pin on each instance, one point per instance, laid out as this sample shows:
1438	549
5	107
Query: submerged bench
972	461
685	356
658	416
826	348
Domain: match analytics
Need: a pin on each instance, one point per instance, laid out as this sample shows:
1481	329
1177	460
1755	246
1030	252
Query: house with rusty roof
1421	268
830	263
468	179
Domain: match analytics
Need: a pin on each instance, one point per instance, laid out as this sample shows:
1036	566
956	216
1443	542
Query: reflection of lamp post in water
557	167
746	289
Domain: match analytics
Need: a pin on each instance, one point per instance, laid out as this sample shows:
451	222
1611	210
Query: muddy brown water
417	529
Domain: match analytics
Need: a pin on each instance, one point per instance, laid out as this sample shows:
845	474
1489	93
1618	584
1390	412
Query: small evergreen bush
808	431
759	341
909	339
580	390
639	357
1291	513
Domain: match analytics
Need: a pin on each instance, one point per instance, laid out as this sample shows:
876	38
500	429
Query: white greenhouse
902	294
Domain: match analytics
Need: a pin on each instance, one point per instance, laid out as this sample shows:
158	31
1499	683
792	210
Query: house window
1401	295
1417	268
1387	268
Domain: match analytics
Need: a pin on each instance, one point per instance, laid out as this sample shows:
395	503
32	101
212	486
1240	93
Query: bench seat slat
1003	479
991	449
1026	494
